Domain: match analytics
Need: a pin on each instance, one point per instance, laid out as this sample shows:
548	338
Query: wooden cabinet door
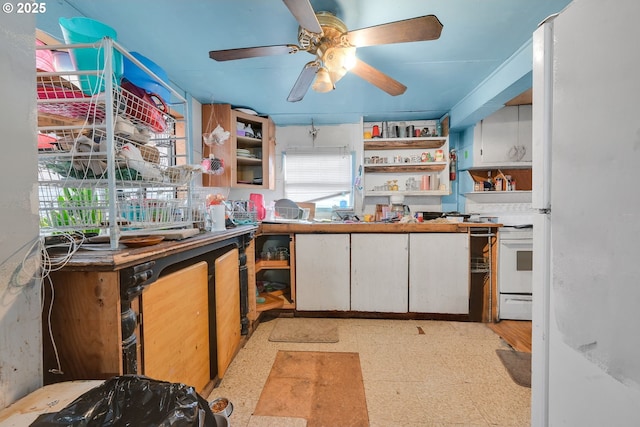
439	273
228	326
322	272
379	272
175	327
212	116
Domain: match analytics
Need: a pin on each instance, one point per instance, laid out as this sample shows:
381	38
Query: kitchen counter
97	298
111	260
373	227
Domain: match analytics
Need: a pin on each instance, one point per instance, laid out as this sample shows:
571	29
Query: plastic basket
140	78
81	30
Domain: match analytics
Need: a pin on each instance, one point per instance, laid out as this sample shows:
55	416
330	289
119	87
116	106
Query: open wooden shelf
406	167
403	143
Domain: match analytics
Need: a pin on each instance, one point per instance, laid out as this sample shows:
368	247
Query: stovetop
508	214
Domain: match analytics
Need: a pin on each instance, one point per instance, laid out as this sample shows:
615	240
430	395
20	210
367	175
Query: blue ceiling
477	37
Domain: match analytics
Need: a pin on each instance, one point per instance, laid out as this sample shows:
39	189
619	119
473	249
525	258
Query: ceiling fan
324	35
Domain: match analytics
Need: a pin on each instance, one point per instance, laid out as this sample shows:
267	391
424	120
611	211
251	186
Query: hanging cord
217	135
48	265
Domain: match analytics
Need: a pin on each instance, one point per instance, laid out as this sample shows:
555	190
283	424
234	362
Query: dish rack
109	161
242	212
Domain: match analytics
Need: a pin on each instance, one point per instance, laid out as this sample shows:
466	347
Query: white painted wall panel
20	327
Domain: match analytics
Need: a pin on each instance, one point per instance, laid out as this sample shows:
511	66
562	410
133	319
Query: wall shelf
406	167
500	196
404	143
407	193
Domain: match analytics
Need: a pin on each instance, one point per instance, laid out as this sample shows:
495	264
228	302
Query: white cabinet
439	273
323	272
504	137
379	272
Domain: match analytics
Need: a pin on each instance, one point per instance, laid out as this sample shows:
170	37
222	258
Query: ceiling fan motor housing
333	34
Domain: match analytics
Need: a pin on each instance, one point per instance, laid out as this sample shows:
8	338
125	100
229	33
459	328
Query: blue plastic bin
140	78
84	30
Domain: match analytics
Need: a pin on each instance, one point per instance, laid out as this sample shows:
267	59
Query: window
323	176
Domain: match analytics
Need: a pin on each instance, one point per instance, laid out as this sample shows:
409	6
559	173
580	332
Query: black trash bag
135	401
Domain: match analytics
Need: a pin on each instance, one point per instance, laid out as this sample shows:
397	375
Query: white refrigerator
586	199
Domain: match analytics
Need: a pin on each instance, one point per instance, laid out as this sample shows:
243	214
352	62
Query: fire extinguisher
453	160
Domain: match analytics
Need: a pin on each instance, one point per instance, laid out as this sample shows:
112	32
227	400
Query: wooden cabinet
275	272
227	314
93	337
323	272
175	310
504	137
439	273
248	156
483	274
379	272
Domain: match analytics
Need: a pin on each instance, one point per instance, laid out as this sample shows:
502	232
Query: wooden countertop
372	227
110	260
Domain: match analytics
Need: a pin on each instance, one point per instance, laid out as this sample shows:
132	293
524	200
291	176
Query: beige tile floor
448	376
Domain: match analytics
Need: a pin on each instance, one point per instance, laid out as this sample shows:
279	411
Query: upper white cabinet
504	138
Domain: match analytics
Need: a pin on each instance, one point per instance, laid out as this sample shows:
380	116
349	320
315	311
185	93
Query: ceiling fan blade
252	52
304	14
409	30
378	78
305	78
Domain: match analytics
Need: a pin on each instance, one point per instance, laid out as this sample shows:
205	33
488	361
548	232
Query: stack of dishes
241	152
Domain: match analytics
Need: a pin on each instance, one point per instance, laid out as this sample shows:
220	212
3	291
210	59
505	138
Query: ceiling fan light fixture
323	81
339	59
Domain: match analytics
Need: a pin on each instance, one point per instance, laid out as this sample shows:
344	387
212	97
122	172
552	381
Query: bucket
140	78
84	30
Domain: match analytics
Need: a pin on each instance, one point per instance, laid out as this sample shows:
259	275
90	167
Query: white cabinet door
504	137
525	131
439	273
379	272
499	135
322	272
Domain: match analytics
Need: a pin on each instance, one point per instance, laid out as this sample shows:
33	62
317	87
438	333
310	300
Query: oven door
515	266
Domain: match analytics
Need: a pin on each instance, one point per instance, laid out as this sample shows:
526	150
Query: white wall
344	135
290	137
20	327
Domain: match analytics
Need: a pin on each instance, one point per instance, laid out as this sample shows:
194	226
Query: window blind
323	176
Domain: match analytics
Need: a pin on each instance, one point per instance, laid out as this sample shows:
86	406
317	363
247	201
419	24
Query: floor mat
300	329
325	388
518	364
